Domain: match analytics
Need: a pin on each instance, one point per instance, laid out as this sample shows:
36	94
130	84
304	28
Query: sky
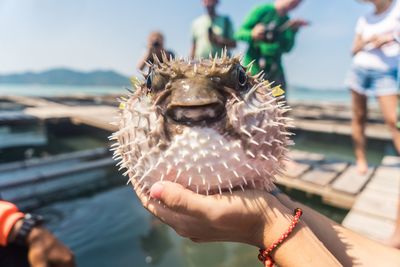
86	35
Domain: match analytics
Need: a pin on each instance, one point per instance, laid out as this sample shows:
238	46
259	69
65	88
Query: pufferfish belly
205	162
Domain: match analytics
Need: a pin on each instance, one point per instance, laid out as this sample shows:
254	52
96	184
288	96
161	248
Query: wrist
274	222
24	228
14	231
277	225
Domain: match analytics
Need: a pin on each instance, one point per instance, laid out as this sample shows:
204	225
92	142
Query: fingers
179	199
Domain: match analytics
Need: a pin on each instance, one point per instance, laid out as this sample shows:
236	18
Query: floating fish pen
46	161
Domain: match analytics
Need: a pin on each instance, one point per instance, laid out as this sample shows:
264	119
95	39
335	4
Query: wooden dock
375	209
327	118
335	119
372	198
35	180
99	116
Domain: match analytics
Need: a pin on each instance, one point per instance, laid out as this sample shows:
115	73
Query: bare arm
253	217
44	249
347	246
228	43
193	50
358	44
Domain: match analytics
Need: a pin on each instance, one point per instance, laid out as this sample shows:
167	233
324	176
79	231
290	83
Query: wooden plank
377	204
299	185
351	181
373	227
301	162
385	180
323	174
31	101
373	130
337	198
305	157
34	178
82	154
330	111
329	196
375	211
391	161
102	121
294	169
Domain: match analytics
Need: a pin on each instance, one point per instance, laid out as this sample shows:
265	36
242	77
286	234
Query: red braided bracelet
265	254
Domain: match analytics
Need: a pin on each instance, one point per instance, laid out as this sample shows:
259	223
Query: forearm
288	40
302	248
225	42
347	246
251	20
357	48
358	44
193	50
243	34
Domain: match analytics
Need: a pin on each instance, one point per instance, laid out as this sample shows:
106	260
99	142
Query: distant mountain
67	77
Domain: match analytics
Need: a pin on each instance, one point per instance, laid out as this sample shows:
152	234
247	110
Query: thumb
177	198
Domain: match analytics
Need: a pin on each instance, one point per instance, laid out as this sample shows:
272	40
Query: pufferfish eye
242	76
149	80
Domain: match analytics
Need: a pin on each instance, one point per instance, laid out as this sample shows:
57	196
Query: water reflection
156	242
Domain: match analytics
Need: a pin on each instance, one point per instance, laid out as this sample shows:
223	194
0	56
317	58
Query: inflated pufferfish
205	124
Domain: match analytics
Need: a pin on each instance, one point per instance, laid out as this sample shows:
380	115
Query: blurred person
394	240
374	72
211	32
23	242
396	36
155	47
260	218
270	33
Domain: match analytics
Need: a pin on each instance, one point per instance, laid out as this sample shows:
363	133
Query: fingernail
156	190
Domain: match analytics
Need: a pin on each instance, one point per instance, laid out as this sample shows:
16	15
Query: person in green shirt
211	32
270	33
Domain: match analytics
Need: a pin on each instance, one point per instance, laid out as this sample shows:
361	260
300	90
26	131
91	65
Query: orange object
9	215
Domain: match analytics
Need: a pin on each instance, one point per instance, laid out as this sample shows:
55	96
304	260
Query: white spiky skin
202	158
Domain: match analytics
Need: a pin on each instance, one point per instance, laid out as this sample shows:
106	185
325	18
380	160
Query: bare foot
362	167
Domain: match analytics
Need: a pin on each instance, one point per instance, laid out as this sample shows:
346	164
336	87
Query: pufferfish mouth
196	114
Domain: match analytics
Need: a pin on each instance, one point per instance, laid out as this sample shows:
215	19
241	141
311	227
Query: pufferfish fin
122	105
277	91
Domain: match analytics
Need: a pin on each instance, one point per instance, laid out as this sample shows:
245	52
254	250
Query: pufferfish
207	124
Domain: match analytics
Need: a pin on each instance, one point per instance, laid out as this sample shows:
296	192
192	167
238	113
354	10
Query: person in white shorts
394	240
374	72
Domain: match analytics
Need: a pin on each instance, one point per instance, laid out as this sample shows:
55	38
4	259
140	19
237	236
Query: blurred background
64	63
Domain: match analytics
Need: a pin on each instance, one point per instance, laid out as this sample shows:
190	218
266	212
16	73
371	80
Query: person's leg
394	240
359	108
388	106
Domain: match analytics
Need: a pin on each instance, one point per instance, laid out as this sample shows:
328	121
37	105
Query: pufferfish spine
205	124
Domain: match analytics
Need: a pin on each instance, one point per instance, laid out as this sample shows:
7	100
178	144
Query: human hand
215	39
296	24
245	217
378	41
44	250
258	32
